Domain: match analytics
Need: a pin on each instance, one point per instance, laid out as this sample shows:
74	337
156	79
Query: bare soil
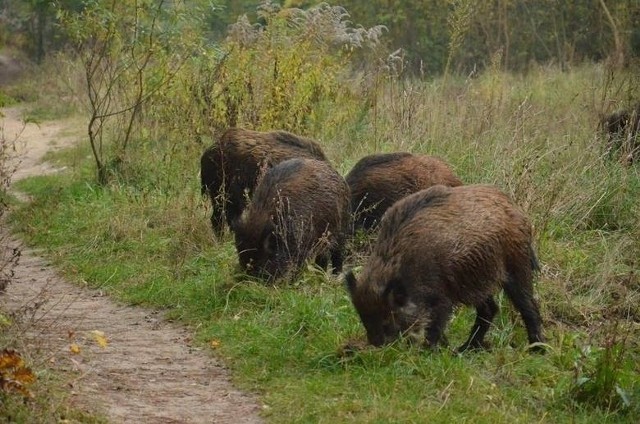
148	371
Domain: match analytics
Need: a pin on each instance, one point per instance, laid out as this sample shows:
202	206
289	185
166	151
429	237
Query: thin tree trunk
618	59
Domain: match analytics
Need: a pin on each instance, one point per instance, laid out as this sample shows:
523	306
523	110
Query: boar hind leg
322	261
521	295
485	312
440	310
217	216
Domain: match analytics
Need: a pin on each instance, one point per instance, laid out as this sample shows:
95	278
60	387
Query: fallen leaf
15	386
74	348
14	376
10	359
215	343
24	375
100	338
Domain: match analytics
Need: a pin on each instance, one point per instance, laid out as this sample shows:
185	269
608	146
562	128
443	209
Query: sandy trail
148	372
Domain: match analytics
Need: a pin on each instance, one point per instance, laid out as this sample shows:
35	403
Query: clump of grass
6	100
599	374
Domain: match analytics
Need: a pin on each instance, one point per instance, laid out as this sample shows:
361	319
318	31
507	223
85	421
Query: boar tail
535	264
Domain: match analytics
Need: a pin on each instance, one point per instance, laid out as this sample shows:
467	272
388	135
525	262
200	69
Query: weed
599	373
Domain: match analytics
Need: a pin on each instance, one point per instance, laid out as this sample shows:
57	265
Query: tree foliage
129	50
525	31
32	24
279	71
196	66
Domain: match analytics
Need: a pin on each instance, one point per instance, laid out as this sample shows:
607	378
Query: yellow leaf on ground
215	343
24	375
14	376
74	348
16	387
10	359
100	338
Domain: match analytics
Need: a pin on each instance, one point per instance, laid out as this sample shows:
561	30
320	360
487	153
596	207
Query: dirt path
148	372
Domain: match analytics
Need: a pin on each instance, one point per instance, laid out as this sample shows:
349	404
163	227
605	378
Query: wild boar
622	132
300	209
230	168
378	181
442	247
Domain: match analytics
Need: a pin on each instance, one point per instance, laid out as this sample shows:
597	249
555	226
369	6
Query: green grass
145	238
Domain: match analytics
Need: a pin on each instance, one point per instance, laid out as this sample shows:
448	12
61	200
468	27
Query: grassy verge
145	238
45	399
29	391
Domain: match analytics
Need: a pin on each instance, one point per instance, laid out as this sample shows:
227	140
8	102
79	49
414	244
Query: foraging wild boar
378	181
441	247
622	131
299	209
231	167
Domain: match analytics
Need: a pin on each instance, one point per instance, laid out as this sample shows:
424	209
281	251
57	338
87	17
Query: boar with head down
442	247
300	209
378	181
229	169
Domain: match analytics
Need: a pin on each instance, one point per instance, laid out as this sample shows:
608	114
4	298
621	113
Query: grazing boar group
230	168
439	243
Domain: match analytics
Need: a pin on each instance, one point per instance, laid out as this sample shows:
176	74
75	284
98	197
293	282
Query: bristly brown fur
230	168
441	247
378	181
300	209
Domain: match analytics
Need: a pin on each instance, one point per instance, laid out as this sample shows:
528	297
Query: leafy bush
129	50
282	73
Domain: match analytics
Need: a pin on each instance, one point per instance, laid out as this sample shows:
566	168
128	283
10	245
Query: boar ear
351	281
396	292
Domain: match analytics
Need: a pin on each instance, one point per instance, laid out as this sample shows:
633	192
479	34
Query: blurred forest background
521	31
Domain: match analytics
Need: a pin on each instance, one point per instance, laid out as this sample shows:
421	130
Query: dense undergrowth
144	235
